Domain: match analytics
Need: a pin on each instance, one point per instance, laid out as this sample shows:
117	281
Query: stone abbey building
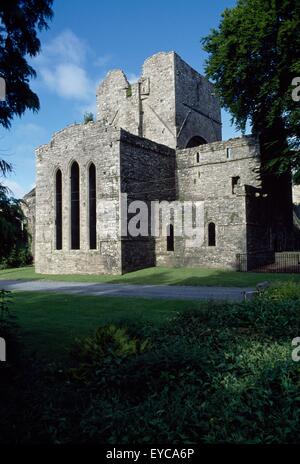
156	140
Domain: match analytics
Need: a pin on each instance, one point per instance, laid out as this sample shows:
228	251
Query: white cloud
69	81
62	67
66	48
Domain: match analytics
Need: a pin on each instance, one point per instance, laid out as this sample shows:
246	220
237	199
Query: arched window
211	234
196	141
58	210
92	207
75	207
170	238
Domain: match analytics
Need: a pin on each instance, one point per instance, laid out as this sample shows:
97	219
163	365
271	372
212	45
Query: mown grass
49	322
160	276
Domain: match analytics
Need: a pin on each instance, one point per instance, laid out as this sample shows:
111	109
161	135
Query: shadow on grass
159	276
200	277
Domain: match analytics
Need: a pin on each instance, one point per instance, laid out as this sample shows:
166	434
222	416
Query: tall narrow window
92	206
229	153
211	234
170	238
75	207
58	210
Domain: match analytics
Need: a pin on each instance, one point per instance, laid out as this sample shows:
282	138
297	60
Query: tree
5	168
253	57
14	250
19	22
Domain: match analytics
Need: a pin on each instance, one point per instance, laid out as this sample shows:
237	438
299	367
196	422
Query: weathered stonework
29	210
170	104
156	140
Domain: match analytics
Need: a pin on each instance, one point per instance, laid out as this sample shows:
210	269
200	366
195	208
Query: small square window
229	153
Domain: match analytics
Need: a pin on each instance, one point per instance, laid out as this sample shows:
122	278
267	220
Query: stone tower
170	104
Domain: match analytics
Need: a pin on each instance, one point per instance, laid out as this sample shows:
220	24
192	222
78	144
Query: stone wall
296	194
118	103
205	174
147	174
29	210
84	144
198	111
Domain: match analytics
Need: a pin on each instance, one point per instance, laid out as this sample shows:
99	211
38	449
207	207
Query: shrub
19	257
282	291
109	344
14	236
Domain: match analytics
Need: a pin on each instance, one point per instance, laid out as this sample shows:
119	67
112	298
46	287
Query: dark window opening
211	234
194	215
170	238
196	141
198	157
235	182
92	207
75	207
58	210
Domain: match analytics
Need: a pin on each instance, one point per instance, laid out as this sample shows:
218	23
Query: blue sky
85	40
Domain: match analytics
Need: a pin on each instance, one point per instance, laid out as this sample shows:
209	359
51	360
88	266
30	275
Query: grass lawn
49	322
160	275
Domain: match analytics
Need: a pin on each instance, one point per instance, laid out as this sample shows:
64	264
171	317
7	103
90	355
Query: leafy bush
7	319
88	117
14	244
109	344
19	257
282	291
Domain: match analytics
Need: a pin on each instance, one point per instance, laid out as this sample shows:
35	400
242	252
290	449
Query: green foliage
7	327
5	168
253	57
5	301
20	20
88	117
129	91
14	250
221	374
281	291
6	317
109	344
